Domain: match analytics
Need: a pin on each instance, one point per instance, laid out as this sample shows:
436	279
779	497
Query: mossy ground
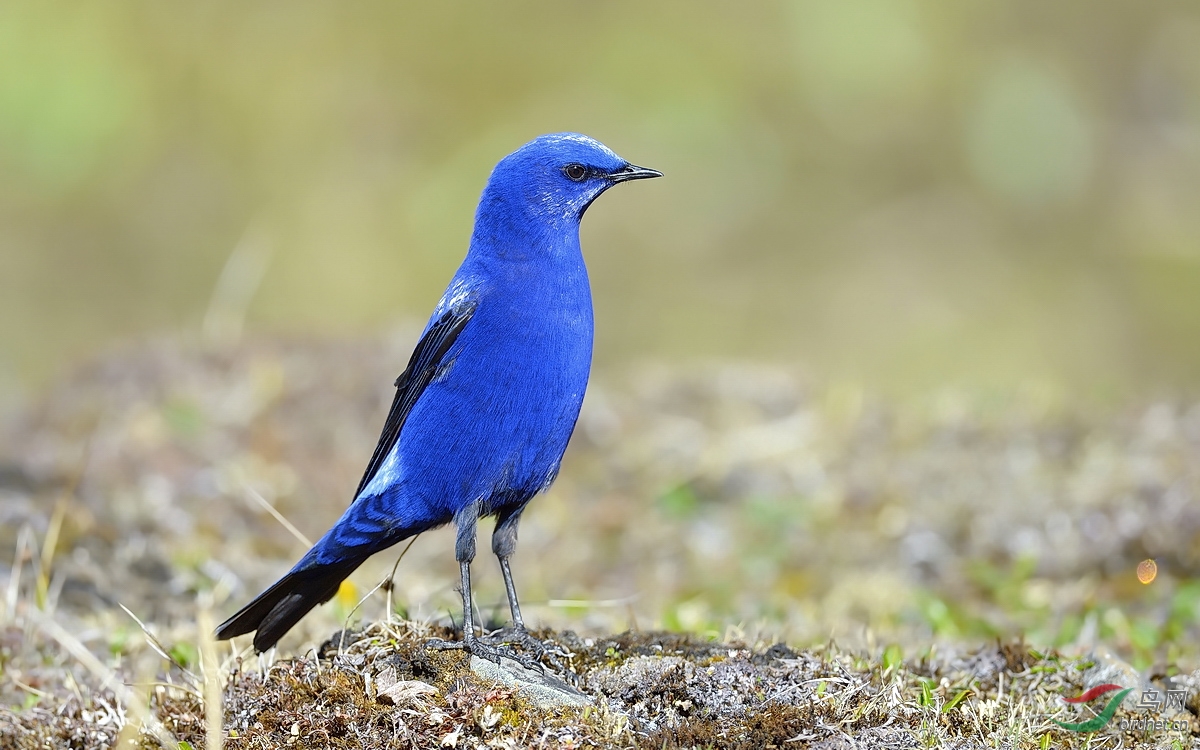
942	570
382	688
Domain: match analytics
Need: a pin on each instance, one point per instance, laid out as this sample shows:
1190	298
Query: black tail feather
273	612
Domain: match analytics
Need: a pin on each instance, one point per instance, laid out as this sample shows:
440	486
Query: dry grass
383	689
735	503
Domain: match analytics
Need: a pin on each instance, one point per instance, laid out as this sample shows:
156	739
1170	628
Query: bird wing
422	368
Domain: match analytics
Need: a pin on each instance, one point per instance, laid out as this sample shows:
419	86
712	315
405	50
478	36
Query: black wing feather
422	369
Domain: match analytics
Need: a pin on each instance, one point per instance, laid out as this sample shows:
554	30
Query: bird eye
575	172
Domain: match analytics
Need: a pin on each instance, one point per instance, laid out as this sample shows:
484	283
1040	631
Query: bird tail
276	610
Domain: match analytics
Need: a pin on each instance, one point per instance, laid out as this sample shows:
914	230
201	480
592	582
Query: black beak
632	172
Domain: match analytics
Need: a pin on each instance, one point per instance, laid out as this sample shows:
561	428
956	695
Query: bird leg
517	633
504	543
513	605
465	552
475	645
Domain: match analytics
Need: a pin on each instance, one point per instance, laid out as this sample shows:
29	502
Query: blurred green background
898	193
947	229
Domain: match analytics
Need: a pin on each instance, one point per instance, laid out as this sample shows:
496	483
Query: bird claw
493	653
513	636
519	636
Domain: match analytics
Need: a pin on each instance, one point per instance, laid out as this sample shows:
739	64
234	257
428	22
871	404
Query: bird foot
492	652
515	636
538	649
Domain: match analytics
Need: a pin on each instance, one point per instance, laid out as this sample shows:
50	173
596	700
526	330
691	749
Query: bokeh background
949	253
905	194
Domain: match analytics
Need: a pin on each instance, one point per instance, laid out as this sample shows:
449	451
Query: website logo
1100	720
1151	699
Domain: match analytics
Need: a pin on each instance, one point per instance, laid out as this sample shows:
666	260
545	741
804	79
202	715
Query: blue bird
484	410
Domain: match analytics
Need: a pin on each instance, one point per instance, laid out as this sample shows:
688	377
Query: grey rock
1110	669
542	689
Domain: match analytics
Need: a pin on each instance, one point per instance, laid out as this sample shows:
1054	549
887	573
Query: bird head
555	177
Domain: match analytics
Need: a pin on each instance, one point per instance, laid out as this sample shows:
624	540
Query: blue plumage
484	410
